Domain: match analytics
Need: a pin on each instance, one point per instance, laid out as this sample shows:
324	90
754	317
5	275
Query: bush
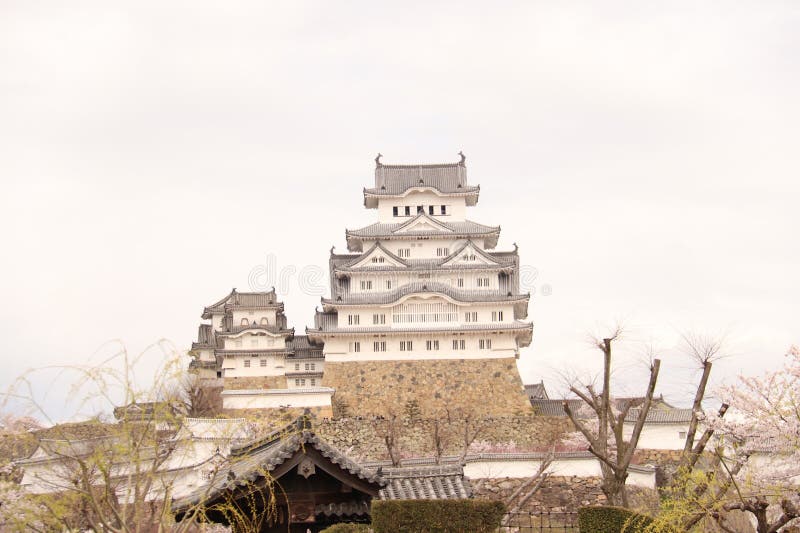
436	516
346	528
611	520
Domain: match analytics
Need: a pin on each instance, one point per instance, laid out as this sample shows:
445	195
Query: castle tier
259	362
423	309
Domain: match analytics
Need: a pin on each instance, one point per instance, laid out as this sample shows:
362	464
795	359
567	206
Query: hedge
436	516
611	520
346	528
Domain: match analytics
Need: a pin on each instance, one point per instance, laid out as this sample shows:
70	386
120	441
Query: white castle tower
423	309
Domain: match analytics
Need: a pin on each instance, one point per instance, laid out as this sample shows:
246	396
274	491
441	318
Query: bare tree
607	442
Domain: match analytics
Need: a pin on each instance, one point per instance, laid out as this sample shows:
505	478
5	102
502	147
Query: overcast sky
644	157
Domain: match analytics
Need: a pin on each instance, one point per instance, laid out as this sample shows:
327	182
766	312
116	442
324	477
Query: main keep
424	314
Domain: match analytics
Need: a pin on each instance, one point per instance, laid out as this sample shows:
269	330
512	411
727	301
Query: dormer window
244	322
264	321
420	209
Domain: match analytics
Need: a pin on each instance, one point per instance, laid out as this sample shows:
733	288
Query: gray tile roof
233	330
205	338
536	391
464	228
388	297
236	299
301	347
445	482
660	413
326	323
447	178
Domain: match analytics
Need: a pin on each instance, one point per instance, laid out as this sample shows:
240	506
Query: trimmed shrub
436	516
611	520
346	528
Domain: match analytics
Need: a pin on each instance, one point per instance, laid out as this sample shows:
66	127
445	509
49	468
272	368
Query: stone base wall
255	382
364	437
491	387
560	493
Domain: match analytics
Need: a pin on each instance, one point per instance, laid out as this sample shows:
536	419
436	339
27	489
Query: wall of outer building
484	311
234	365
255	341
659	436
456	206
341	348
311	398
580	467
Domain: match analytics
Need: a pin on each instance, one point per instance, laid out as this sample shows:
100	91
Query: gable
470	255
378	257
422	223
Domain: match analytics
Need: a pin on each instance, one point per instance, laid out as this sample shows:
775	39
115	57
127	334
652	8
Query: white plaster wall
254	316
399	279
424	247
233	366
658	436
484	311
456	206
339	348
319	397
523	468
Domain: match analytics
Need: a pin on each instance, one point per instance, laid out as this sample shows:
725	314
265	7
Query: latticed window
355	346
404	252
459	344
415	313
442	252
263	363
432	345
247	363
406	346
353	320
460	282
379	318
483	282
497	316
485	344
379	346
471	316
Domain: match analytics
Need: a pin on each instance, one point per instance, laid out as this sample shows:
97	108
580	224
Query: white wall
659	436
233	365
339	348
275	398
456	206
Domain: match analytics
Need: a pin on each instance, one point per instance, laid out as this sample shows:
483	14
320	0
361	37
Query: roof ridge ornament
463	158
378	160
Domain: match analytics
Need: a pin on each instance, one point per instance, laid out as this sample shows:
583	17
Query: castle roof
444	178
432	228
247	300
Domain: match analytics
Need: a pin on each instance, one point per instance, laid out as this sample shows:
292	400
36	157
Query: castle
422	310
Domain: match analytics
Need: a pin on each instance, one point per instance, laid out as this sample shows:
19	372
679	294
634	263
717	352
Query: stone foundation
491	387
255	382
363	437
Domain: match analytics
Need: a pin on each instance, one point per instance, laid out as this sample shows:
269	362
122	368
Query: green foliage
347	528
436	516
612	520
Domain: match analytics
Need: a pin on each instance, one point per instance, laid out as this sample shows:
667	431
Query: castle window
388	284
379	319
302	382
430	209
404	252
406	346
432	345
247	363
366	285
297	367
459	344
244	322
442	252
485	344
353	320
420	209
408	211
682	435
483	282
263	363
313	382
460	282
297	382
394	211
471	316
497	316
355	346
264	321
379	346
443	209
